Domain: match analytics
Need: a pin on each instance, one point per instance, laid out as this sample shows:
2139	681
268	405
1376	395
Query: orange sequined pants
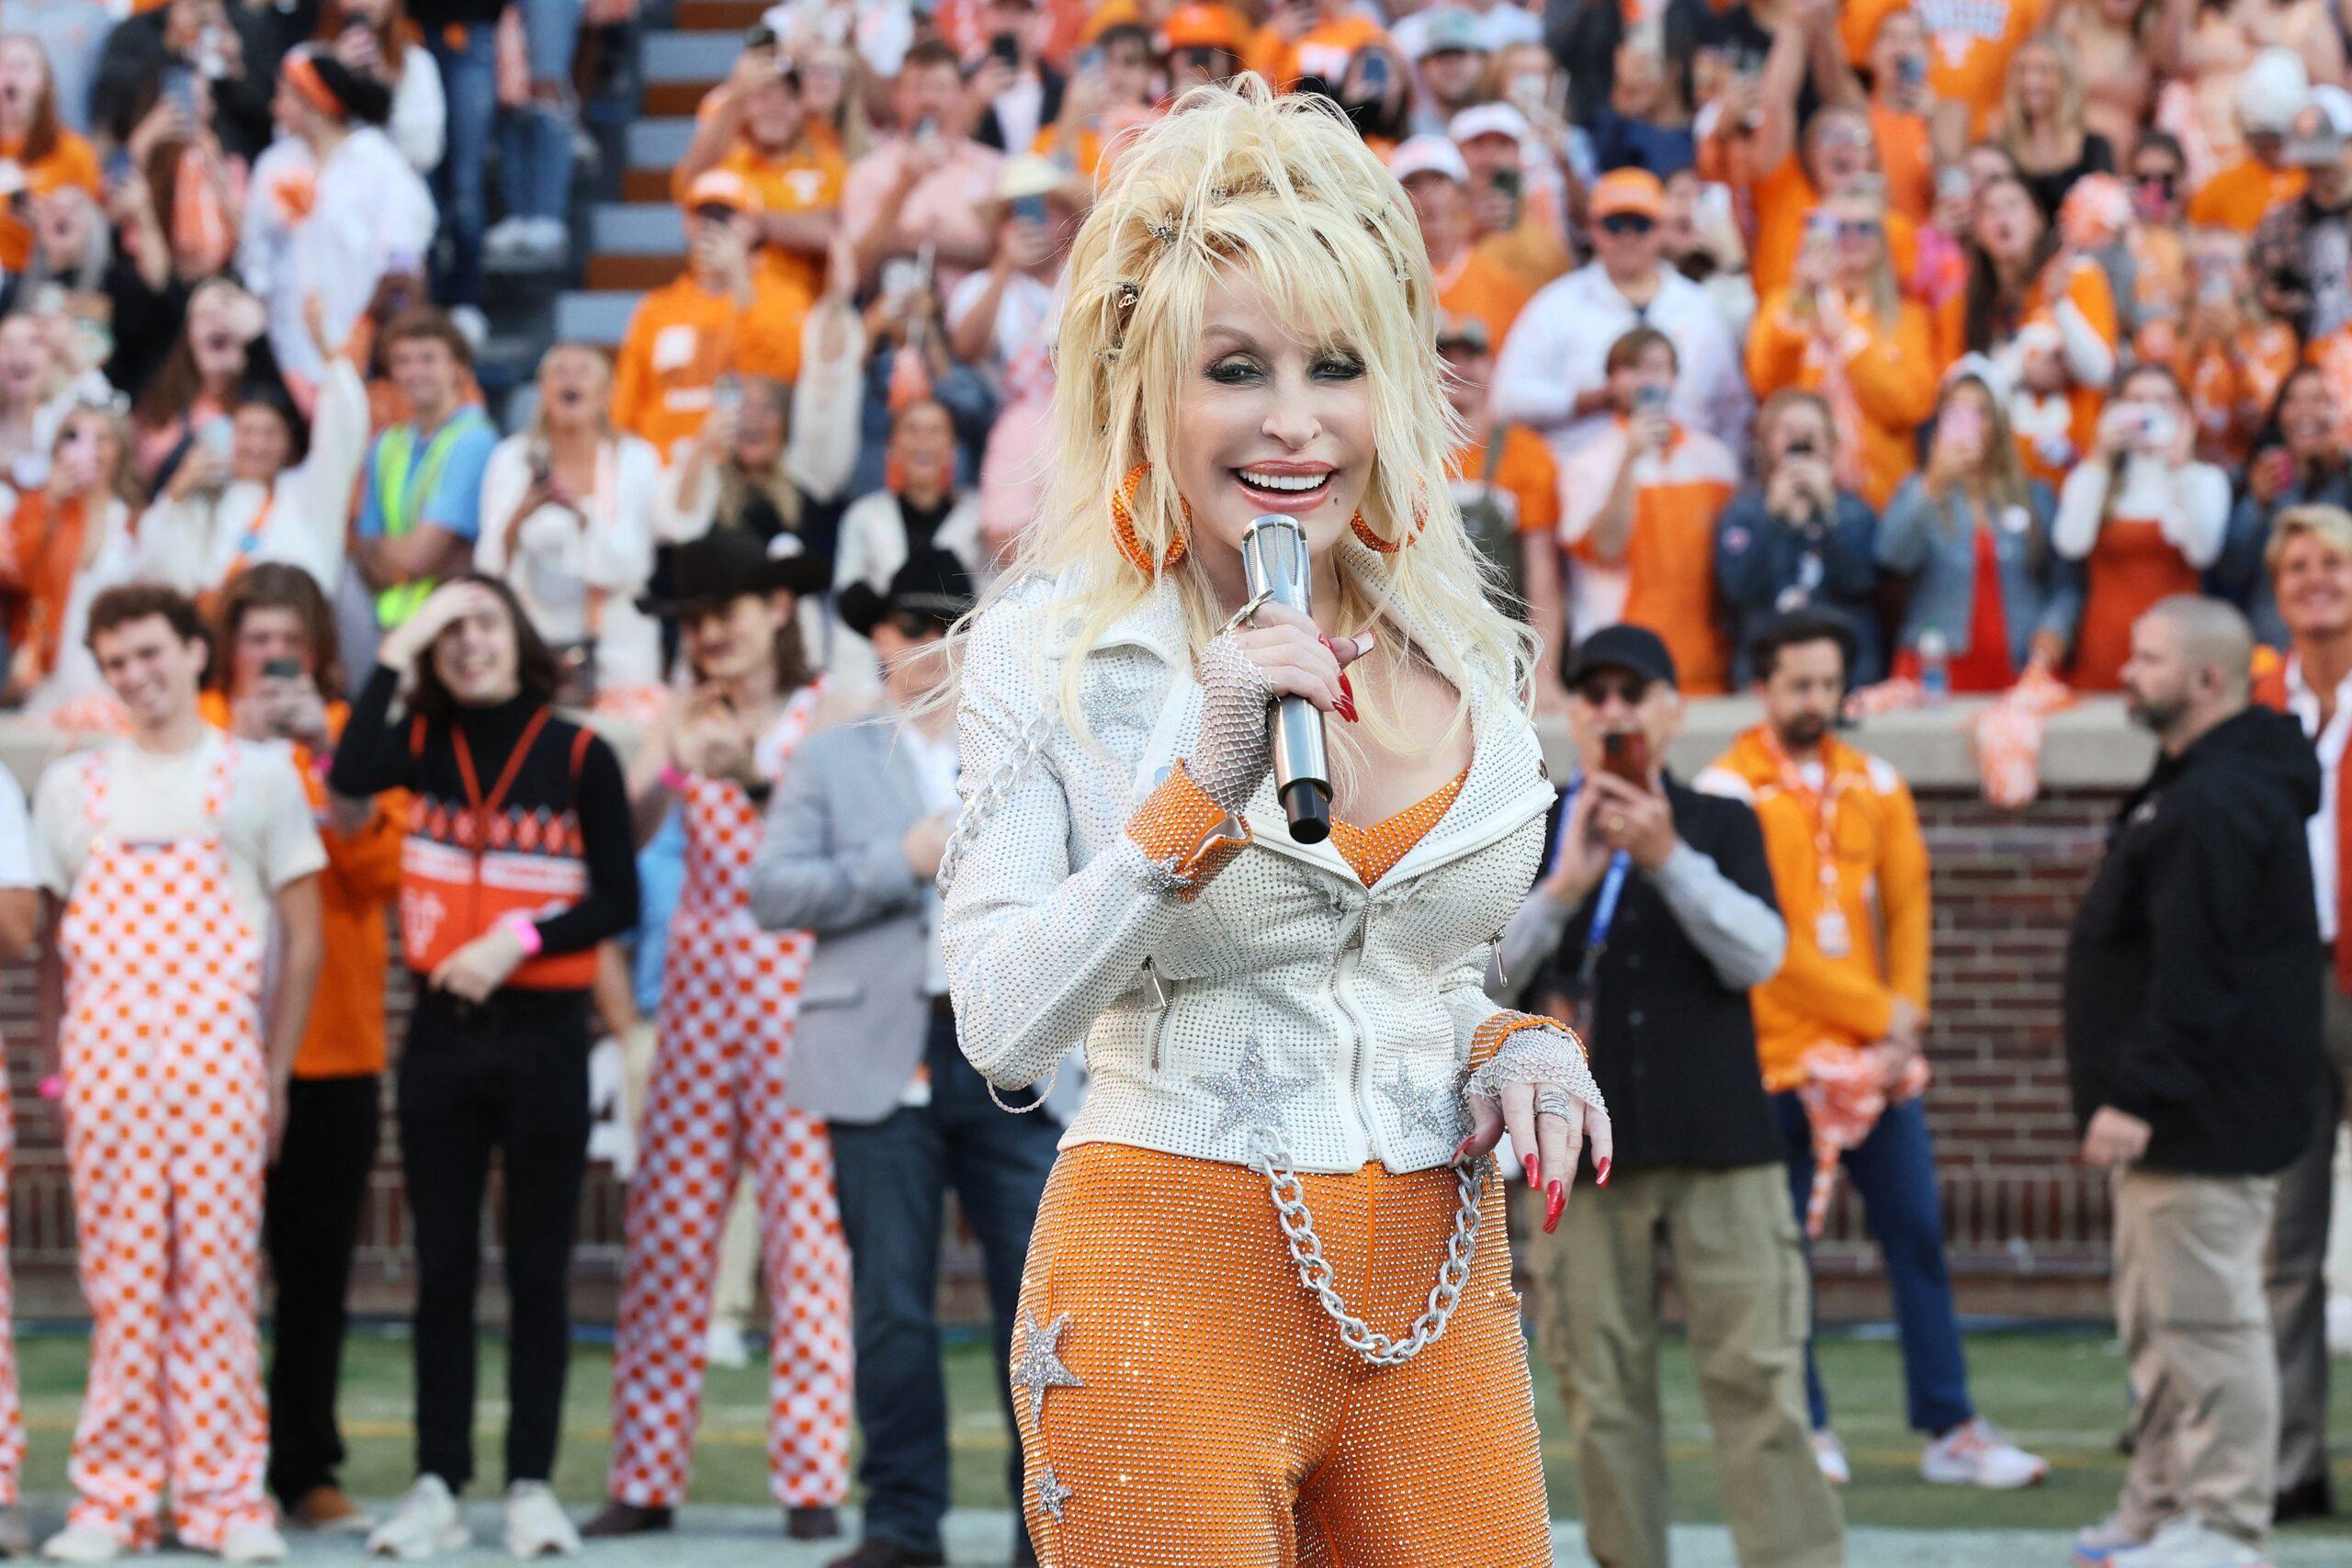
1217	1421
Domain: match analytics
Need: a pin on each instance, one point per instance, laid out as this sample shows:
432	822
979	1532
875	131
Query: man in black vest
1654	917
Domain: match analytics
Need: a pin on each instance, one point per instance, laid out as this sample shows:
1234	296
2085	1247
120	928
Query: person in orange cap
723	318
1202	42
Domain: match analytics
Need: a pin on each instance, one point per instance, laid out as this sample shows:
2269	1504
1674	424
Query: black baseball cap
1637	650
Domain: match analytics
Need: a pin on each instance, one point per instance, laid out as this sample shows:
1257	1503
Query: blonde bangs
1234	177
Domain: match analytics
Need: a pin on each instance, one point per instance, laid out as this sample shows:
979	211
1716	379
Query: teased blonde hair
2331	525
1233	176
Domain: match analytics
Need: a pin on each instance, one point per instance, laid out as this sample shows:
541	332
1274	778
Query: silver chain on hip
985	801
1271	1160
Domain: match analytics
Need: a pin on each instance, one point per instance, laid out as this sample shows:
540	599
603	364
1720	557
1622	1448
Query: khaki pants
2189	1301
2299	1260
1742	1277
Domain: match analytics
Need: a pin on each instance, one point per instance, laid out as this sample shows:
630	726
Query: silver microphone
1274	559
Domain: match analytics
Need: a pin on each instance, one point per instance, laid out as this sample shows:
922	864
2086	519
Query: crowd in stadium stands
1967	329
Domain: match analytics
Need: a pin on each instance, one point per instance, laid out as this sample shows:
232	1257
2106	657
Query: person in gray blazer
853	840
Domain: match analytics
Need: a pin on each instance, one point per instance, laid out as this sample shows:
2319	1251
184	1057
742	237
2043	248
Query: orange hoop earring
1123	526
1373	541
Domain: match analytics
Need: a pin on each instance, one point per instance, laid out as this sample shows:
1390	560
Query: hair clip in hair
1161	231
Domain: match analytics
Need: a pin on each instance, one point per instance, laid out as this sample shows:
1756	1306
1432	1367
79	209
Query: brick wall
2028	1225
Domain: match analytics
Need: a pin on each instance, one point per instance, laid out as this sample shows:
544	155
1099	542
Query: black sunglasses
1628	223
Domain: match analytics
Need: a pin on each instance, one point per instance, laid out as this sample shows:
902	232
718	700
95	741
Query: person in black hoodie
2192	1008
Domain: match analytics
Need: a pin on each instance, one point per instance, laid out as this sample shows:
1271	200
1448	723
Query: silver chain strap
990	796
1271	1160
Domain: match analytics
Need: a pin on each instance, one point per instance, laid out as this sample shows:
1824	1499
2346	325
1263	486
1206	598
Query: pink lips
1286	500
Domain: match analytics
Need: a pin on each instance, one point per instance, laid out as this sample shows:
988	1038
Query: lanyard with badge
1604	909
1831	931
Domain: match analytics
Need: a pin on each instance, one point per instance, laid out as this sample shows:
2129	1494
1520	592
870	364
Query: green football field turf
2061	1393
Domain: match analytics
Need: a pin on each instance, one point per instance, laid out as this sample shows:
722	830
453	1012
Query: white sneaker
1975	1453
505	238
80	1543
725	1346
547	242
536	1525
426	1522
2096	1545
2185	1543
1830	1454
254	1543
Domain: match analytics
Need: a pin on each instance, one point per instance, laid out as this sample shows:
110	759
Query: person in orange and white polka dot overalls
729	1000
19	915
169	853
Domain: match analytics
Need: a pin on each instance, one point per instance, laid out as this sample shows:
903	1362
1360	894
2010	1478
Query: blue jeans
535	142
893	1175
460	188
1893	1170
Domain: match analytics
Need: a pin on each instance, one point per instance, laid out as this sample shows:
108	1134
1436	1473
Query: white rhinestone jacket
1287	996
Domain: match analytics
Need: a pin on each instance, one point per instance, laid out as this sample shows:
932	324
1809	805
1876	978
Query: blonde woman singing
1267	1317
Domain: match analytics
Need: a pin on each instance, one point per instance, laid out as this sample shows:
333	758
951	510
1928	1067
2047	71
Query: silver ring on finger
1247	615
1550	1101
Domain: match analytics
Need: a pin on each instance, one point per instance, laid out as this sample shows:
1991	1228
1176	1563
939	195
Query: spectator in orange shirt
274	681
722	318
1470	283
754	126
1315	38
45	154
1903	110
1509	489
1844	329
1515	217
2240	194
2229	354
1969	61
1638	506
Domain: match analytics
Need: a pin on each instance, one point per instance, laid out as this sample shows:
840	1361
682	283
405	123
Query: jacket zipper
1155	1009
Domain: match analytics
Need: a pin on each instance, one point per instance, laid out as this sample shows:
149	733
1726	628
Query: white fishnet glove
1539	1061
1234	750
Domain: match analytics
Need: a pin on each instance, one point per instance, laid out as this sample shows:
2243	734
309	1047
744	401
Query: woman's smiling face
1270	422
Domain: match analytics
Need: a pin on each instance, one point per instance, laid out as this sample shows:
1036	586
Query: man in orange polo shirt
277	634
723	318
753	126
1850	869
1638	506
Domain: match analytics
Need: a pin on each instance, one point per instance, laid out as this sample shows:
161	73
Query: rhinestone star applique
1040	1365
1416	1107
1251	1096
1051	1492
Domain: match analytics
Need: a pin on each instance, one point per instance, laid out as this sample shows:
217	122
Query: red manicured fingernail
1600	1173
1462	1148
1533	1169
1347	703
1555	1202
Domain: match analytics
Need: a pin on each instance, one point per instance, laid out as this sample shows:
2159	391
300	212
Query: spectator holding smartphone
914	189
1013	94
1202	41
1111	91
1844	329
220	356
376	38
723	316
2045	315
213	61
1471	284
1793	539
1904	115
1553	372
1513	221
2301	462
1638	514
756	126
2143	516
45	155
1000	320
1971	531
1651	920
271	682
